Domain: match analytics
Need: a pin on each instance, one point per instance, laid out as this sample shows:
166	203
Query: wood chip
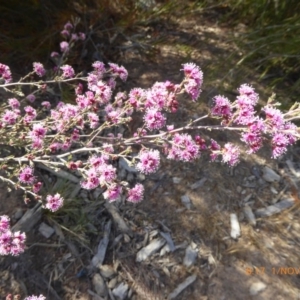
100	255
275	209
147	251
182	286
29	219
235	226
118	219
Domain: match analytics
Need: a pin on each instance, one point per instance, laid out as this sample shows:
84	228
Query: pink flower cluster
5	73
10	242
193	80
183	148
242	112
54	203
39	69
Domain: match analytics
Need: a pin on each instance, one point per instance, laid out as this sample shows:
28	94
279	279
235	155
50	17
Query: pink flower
5	73
65	33
222	107
149	161
55	147
54	54
39	69
230	154
46	104
30	114
113	192
183	148
107	174
10	117
92	179
279	144
26	175
102	90
118	71
154	119
14	103
194	80
74	37
81	36
274	117
4	223
64	47
68	26
37	187
136	194
215	150
253	140
93	119
249	92
136	97
38	131
31	98
68	71
99	68
54	202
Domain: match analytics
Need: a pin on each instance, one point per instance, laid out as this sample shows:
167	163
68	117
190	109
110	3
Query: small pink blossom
9	117
154	119
54	203
136	194
149	161
118	71
5	73
91	181
68	26
39	69
4	223
26	175
113	192
68	71
222	107
37	187
81	36
14	103
65	33
46	104
279	144
30	98
64	46
249	92
230	154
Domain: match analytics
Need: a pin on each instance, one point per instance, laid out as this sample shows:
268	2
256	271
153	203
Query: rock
120	292
256	288
198	183
275	209
106	271
46	230
186	201
182	286
112	283
154	246
190	257
176	180
269	175
235	226
99	285
249	215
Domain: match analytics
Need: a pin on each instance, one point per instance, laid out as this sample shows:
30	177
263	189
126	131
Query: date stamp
273	270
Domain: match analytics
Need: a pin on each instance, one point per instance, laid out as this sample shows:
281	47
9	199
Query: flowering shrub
59	135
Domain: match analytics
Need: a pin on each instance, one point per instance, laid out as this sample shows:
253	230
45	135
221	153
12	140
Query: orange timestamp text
274	270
